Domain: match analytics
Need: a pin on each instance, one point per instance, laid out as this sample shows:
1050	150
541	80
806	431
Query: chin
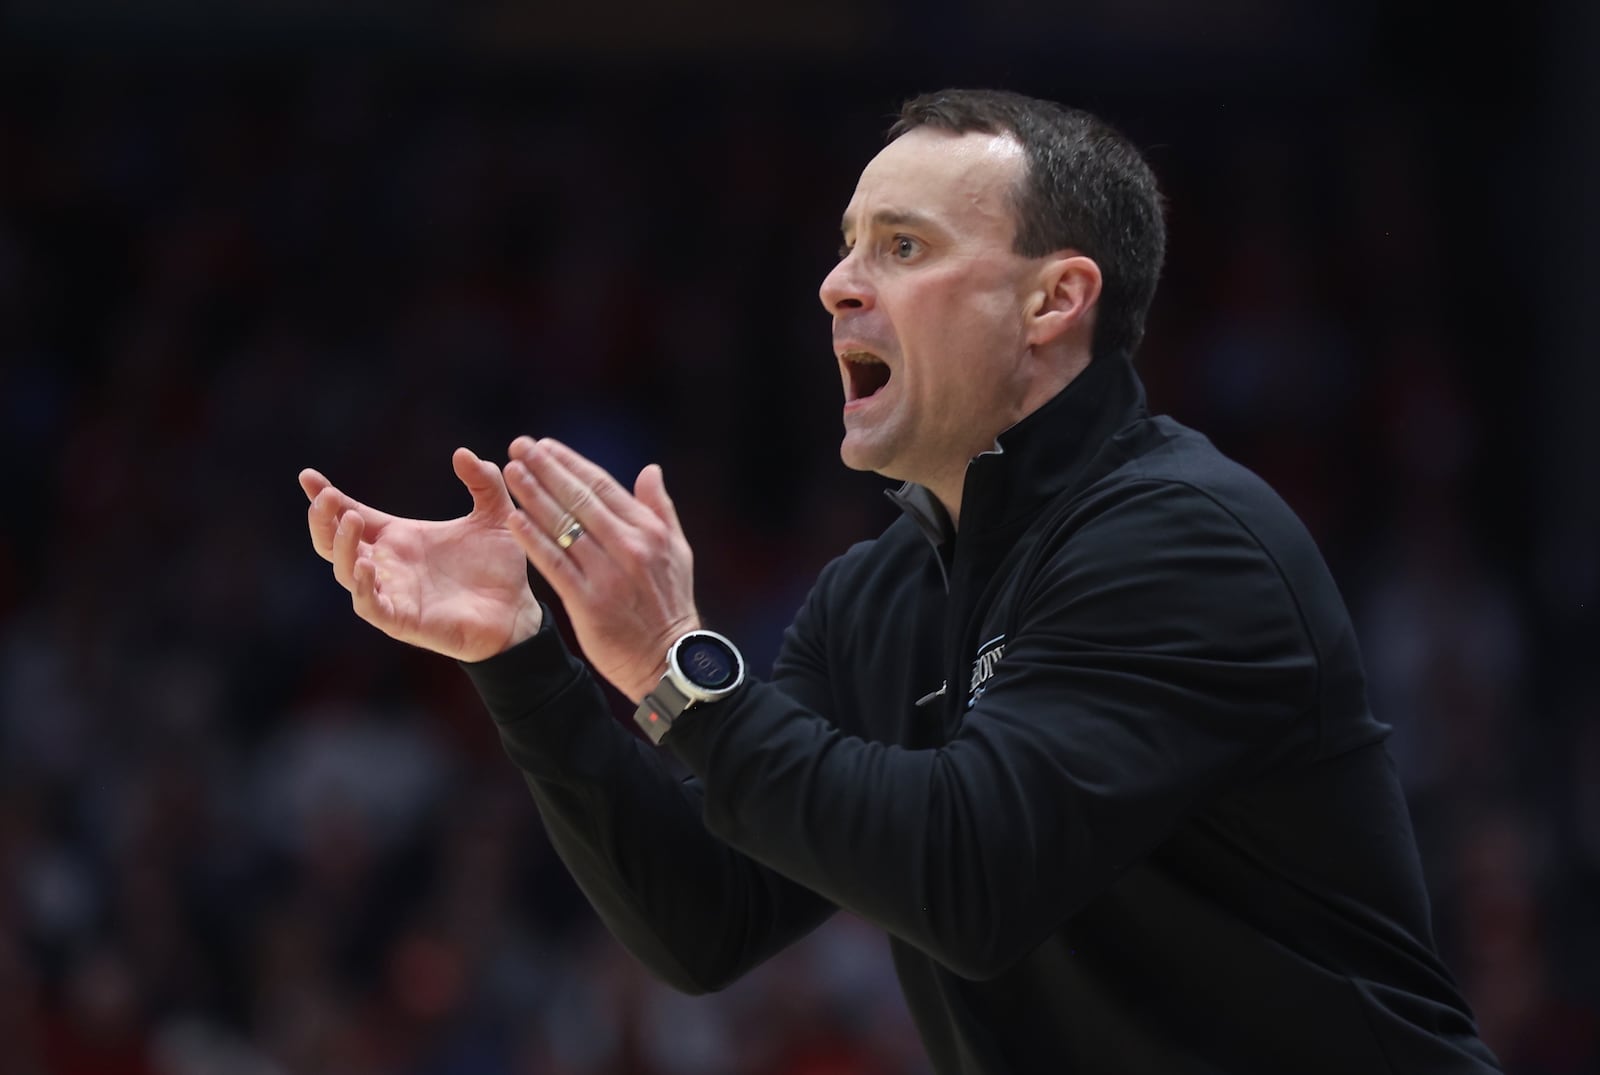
852	459
864	457
882	464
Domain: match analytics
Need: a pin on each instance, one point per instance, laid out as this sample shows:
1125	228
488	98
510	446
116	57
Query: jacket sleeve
696	912
1144	672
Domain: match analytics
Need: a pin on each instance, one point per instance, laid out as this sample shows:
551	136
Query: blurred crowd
240	832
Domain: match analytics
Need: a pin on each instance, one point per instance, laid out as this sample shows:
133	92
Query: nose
843	288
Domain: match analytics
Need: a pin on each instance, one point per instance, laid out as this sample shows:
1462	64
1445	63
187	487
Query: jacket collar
1037	458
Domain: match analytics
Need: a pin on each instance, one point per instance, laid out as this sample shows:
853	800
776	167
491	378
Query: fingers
537	524
322	517
359	573
345	545
327	508
313	483
561	568
577	482
337	527
327	505
369	603
548	490
651	490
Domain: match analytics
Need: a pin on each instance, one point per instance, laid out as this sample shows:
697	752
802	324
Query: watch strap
660	708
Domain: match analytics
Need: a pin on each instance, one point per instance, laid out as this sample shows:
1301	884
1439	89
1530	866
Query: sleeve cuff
526	677
693	738
552	717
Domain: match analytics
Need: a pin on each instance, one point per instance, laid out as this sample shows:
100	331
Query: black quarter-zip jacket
1100	763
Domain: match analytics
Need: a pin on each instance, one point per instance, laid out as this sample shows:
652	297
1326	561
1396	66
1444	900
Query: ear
1068	289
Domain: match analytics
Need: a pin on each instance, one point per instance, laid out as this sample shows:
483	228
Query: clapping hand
459	587
619	561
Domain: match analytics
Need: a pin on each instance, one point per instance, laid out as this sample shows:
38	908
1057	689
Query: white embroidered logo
989	655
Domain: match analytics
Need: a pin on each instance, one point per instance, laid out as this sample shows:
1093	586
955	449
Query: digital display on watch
707	663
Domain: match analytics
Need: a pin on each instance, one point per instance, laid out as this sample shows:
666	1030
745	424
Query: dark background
242	832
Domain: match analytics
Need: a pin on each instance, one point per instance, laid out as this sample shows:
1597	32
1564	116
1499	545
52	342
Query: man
1084	731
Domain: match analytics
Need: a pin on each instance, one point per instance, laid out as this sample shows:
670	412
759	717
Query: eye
844	251
904	247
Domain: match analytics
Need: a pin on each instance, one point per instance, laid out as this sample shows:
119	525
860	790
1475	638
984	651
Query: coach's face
932	309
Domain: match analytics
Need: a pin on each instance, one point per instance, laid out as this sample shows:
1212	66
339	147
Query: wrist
647	683
527	621
701	666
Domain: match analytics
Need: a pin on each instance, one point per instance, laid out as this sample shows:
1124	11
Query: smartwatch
702	666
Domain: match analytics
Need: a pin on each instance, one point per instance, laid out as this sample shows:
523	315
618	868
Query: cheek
951	328
948	309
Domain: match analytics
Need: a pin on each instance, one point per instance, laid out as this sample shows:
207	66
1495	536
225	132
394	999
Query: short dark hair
1086	188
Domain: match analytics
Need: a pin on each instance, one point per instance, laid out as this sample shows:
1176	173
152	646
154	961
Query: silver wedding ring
568	530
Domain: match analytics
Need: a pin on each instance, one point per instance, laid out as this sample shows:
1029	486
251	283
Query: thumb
484	482
651	490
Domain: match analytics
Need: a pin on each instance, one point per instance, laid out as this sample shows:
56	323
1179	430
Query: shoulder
1175	482
1174	540
1169	529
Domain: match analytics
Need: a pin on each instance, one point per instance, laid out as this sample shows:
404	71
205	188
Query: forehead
958	177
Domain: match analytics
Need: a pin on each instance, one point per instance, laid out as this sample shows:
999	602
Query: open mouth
868	373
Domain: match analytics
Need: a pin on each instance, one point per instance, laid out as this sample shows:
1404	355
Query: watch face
707	663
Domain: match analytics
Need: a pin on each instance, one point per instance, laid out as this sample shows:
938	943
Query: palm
455	587
459	587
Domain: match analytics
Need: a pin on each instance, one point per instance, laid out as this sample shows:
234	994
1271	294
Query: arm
694	911
1143	676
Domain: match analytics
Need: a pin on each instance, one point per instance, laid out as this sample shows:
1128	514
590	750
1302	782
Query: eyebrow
892	218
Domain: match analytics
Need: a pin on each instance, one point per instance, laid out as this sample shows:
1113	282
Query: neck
948	494
947	488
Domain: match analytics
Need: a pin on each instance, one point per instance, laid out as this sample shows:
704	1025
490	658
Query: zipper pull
931	695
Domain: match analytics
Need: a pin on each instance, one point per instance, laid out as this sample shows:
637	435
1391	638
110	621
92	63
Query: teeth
862	358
